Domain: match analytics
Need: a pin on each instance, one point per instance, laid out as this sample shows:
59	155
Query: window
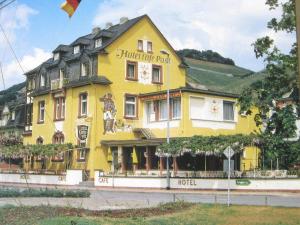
43	80
163	110
58	138
98	42
156	74
81	154
83	104
56	56
228	110
76	49
175	108
196	108
41	115
31	84
149	46
84	69
59	110
140	45
130	106
39	141
131	73
13	115
28	114
61	74
158	110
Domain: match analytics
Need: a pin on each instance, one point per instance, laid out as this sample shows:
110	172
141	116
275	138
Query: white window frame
82	101
140	45
76	49
43	80
130	103
172	105
13	115
42	111
84	67
56	56
149	43
98	42
233	110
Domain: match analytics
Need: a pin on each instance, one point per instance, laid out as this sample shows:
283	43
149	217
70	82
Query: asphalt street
122	199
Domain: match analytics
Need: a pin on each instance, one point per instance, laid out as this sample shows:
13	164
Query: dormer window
84	69
43	80
56	56
13	115
76	49
62	74
98	42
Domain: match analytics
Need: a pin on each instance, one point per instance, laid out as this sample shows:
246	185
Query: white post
228	193
164	52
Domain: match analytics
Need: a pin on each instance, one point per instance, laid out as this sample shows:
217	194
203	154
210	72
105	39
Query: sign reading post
228	153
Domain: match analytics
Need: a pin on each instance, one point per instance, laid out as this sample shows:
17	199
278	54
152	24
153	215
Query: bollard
266	200
174	197
215	199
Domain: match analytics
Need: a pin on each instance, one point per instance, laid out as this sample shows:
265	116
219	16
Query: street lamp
165	52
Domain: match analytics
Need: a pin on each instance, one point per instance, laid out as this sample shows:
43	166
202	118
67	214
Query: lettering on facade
61	178
103	180
187	182
141	56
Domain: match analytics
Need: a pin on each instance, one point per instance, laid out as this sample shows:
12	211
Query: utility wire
2	76
1	7
11	48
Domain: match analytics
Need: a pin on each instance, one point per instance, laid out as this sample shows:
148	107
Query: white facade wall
197	184
73	177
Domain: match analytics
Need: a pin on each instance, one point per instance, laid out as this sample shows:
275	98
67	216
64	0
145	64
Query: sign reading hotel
141	56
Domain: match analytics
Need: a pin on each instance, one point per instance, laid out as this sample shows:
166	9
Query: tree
278	123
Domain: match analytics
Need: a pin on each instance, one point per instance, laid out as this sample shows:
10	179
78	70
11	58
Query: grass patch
55	193
168	214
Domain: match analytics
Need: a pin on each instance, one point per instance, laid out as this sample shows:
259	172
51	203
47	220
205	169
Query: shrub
54	193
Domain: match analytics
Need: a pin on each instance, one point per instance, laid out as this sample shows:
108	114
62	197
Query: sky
36	27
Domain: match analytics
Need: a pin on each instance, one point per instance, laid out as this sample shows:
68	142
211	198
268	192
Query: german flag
70	6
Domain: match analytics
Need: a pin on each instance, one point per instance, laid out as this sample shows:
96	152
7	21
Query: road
123	199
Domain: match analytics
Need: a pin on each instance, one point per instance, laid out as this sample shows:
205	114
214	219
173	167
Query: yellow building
106	94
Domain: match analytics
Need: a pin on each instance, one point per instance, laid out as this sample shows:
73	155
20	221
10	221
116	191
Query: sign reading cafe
142	56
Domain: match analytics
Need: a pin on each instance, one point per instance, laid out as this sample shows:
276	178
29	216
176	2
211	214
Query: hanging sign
82	132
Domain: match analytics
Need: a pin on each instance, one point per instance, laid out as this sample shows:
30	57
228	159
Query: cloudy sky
36	27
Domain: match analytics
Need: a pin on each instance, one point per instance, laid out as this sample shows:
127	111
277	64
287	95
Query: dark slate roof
62	48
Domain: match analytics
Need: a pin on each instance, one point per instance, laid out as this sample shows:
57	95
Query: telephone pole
297	2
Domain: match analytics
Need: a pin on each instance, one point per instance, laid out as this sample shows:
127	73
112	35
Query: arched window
58	138
39	141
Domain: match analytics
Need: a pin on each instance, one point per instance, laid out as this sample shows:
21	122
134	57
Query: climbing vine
207	144
13	148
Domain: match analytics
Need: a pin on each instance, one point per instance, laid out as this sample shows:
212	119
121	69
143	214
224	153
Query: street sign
228	152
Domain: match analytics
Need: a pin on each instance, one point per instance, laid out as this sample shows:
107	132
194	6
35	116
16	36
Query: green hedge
54	193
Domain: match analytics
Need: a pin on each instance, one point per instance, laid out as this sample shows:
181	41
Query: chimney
96	30
108	25
123	20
